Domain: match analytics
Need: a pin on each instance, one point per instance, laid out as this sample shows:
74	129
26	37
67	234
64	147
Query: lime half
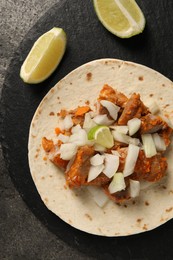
102	135
123	18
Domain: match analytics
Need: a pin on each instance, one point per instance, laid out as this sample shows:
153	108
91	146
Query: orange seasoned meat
47	144
78	172
151	124
108	93
133	108
100	180
62	164
149	169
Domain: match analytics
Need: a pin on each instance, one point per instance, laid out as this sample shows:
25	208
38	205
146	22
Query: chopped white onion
148	145
98	195
154	108
159	142
67	151
111	107
134	188
133	125
80	138
120	128
103	120
68	123
167	120
70	163
111	164
118	183
132	156
75	129
120	137
97	159
94	171
88	122
61	124
99	148
63	138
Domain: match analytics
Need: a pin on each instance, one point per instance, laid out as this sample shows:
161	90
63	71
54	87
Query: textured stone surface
22	236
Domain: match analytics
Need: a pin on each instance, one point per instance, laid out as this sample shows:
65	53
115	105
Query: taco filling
116	145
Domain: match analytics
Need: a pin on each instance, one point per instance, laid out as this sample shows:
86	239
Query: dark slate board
87	40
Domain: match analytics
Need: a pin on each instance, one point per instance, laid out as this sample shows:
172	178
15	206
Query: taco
100	148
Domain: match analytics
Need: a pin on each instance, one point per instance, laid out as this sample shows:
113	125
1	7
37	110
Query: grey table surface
22	236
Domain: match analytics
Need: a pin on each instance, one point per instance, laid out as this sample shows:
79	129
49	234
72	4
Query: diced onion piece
133	125
97	159
61	124
63	138
70	163
120	137
67	151
111	107
102	120
99	148
75	129
120	128
132	156
80	138
118	183
88	122
167	120
68	123
159	142
98	195
154	108
149	146
111	164
94	171
134	188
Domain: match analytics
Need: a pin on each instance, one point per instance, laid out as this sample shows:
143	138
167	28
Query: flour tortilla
76	207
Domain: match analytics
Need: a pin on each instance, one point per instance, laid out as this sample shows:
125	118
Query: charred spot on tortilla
86	176
88	216
139	220
145	227
89	76
51	113
168	210
141	78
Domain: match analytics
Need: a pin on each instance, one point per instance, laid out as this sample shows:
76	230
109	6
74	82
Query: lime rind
134	28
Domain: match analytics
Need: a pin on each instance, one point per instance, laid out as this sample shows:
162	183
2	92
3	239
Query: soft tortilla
76	207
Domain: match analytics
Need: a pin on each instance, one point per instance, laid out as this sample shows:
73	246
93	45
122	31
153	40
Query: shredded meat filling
151	124
78	172
149	169
108	93
133	108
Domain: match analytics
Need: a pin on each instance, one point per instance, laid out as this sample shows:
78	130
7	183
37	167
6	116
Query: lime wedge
102	135
44	56
123	18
